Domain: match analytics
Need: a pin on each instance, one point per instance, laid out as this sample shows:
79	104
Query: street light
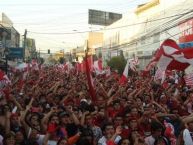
80	34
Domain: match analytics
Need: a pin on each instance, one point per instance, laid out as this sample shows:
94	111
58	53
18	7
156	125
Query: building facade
142	31
30	49
9	36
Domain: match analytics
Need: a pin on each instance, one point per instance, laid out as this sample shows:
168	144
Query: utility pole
39	54
24	45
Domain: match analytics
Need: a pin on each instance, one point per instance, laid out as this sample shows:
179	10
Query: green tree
100	55
61	60
42	60
117	63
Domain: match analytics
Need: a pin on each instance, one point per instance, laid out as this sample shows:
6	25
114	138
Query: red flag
78	67
124	77
83	66
89	78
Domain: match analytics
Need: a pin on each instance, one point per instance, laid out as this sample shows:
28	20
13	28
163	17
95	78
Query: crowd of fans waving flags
145	100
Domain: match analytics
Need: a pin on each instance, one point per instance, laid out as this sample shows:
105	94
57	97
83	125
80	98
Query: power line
171	21
67	4
134	42
114	27
74	14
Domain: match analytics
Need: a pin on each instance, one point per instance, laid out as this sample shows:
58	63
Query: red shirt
112	112
145	129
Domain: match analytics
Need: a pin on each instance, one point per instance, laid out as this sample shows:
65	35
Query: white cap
83	100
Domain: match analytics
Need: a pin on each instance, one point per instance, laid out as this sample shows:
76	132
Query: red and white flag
34	64
170	57
170	132
98	67
124	77
135	60
108	71
153	61
67	67
159	75
133	63
189	79
4	80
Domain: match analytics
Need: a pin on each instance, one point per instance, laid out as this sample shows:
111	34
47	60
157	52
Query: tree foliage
100	55
42	60
117	63
61	60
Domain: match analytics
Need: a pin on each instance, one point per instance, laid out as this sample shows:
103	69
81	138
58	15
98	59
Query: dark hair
105	125
7	136
84	106
34	114
53	115
4	108
121	141
156	126
83	141
85	133
117	116
161	139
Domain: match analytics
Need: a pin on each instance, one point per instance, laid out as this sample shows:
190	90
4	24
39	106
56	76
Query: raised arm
73	116
82	121
23	115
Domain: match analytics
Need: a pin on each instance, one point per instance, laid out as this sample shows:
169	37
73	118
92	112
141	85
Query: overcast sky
59	16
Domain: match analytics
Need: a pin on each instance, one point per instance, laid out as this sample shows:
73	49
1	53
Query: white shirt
40	139
187	137
52	142
149	140
103	140
1	140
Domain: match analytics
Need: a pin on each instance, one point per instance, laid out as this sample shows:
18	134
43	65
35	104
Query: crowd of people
54	107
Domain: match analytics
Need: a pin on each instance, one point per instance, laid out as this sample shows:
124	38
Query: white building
12	37
141	32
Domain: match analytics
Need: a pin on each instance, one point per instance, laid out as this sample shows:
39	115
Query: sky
59	16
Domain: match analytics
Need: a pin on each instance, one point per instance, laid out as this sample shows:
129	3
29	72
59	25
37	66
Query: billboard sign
15	53
96	17
186	35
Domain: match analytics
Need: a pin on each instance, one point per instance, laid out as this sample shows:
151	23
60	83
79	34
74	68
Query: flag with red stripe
124	77
170	57
98	68
189	79
88	65
4	80
159	75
